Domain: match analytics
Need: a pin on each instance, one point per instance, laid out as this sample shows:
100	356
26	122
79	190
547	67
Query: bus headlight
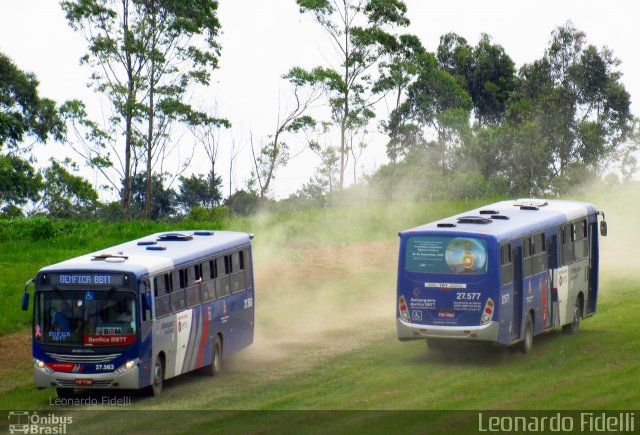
126	367
42	366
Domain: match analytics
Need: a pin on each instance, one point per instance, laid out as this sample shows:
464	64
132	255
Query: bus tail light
487	313
404	312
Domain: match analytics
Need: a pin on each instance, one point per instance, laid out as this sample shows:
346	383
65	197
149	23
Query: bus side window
184	282
237	278
194	276
527	252
540	257
146	311
178	294
222	281
208	288
506	266
248	275
162	295
568	255
581	248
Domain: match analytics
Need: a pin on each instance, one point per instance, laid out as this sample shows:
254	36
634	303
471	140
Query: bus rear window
452	255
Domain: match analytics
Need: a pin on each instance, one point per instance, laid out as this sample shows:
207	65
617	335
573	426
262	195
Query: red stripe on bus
203	339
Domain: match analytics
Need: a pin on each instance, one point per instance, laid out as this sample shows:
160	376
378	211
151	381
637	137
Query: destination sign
109	279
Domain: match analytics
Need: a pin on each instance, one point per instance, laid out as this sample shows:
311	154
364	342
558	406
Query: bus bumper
128	380
410	331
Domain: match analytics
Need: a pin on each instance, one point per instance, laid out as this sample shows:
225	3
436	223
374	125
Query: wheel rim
576	318
528	336
216	357
157	376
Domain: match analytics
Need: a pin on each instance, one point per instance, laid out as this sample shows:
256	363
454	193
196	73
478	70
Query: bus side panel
561	283
506	314
193	344
164	341
146	355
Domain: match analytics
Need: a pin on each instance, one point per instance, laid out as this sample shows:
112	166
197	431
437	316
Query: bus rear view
502	273
446	288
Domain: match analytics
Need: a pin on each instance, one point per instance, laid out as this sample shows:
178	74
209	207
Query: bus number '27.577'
462	296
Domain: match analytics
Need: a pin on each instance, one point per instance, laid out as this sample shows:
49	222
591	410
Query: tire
158	378
574	326
527	340
216	358
65	393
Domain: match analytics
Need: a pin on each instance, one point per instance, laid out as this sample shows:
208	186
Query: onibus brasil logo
34	423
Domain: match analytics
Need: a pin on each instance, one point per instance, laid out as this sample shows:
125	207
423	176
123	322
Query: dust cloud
621	206
318	296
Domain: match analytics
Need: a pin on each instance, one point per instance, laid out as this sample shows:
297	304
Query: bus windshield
85	317
446	255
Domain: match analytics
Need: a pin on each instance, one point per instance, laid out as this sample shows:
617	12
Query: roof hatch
530	203
174	237
110	257
473	220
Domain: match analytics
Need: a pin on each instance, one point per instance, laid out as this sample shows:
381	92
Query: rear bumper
410	331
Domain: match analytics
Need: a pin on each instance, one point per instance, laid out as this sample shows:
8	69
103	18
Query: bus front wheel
527	341
574	326
158	378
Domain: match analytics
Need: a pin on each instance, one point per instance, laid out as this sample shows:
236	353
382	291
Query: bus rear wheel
574	326
527	341
216	358
158	378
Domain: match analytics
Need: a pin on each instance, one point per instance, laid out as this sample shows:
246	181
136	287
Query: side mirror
603	229
25	301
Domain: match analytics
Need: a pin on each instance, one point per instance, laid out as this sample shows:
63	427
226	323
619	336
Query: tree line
461	121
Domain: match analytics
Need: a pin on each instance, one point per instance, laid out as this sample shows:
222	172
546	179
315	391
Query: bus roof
511	219
156	252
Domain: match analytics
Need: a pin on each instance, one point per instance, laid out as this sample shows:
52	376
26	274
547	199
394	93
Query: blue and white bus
133	315
501	273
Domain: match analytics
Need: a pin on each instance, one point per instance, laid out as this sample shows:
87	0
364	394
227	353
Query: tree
435	100
19	184
65	195
165	202
575	94
360	32
275	153
485	71
243	202
198	190
396	74
22	112
145	54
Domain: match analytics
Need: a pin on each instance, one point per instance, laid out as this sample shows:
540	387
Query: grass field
325	337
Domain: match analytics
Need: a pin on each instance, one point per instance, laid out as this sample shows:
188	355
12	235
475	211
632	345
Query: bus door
592	284
243	305
552	255
518	280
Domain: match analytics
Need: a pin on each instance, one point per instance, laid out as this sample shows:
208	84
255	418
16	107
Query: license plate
84	381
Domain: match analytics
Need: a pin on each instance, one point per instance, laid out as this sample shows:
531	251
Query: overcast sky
261	40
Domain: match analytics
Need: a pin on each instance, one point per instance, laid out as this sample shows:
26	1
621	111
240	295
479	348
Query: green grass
351	361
